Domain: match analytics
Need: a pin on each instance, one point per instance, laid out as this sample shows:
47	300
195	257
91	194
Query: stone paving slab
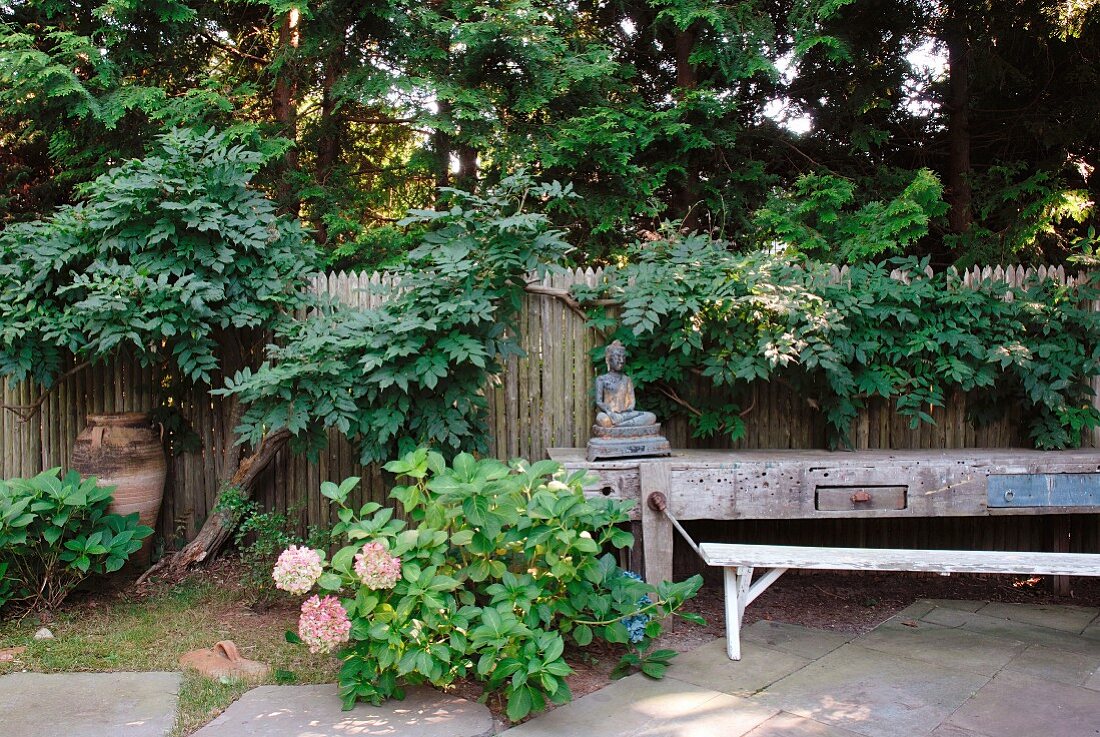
790	638
88	704
1053	664
1053	616
932	643
950	730
709	667
314	711
1093	681
916	610
962	605
1016	705
874	693
792	725
967	669
1018	631
638	706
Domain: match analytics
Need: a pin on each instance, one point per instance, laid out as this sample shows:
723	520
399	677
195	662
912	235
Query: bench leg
737	580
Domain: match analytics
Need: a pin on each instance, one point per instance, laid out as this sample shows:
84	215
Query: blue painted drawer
1044	490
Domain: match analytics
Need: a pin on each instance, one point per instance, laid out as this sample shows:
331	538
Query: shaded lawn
151	632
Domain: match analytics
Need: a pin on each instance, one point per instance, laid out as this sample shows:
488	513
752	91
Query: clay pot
125	451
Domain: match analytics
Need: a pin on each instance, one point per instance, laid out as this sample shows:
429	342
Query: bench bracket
741	591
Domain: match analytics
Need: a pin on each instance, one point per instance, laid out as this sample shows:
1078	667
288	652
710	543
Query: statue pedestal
627	442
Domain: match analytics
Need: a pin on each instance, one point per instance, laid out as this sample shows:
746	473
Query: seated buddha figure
615	394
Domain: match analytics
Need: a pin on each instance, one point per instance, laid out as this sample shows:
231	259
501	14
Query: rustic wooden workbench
814	484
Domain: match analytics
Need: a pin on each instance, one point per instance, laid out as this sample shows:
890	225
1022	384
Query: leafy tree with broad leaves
694	314
174	259
414	369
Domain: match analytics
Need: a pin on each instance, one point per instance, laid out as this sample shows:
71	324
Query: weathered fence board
540	401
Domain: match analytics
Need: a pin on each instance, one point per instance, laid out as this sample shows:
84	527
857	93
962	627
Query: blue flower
635	623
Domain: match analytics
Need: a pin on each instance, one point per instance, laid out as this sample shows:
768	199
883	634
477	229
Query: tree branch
233	49
378	121
25	412
567	298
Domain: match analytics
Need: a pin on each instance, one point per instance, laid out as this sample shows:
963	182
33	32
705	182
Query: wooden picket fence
540	401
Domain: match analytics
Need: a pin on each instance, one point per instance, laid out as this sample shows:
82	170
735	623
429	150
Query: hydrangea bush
495	566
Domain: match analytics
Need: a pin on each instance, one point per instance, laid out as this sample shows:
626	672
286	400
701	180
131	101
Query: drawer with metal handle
860	498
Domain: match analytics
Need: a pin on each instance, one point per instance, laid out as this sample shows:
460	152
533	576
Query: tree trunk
238	350
330	126
219	525
956	37
441	147
686	196
467	167
284	105
686	74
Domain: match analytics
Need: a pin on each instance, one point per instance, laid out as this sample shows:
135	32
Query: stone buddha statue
622	430
615	394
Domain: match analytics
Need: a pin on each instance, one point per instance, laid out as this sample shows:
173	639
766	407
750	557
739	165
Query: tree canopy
968	130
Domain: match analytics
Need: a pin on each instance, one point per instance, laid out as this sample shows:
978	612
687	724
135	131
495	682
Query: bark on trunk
238	349
467	168
331	126
441	145
686	196
284	106
219	526
959	195
686	74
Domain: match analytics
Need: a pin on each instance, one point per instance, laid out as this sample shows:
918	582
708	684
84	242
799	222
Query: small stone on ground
297	711
88	704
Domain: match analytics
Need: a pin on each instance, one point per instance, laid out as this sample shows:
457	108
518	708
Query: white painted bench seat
739	561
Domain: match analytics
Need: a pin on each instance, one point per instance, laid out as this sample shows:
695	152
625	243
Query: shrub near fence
541	401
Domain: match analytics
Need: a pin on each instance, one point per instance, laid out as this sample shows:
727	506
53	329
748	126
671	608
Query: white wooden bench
739	561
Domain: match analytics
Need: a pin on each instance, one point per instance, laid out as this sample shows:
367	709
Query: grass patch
149	634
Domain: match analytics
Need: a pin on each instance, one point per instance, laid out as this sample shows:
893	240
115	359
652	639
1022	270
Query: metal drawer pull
861	497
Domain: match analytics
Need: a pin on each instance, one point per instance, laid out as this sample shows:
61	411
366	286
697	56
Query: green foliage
653	664
500	564
692	309
261	535
169	257
819	217
412	371
55	532
1024	216
376	249
655	109
7	586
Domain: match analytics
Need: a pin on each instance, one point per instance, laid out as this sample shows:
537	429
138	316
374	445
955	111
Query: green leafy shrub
7	590
55	531
499	565
412	371
175	258
819	217
1024	215
694	313
261	535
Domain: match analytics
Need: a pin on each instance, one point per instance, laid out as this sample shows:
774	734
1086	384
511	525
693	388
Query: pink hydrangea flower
297	569
324	624
376	568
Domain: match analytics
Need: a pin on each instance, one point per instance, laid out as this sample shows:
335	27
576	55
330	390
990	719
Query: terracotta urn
125	451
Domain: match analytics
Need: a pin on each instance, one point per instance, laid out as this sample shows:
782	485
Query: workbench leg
656	528
737	580
1059	525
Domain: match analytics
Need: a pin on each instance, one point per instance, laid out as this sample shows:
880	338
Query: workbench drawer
860	498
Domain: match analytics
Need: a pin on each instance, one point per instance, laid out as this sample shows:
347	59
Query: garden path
936	669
